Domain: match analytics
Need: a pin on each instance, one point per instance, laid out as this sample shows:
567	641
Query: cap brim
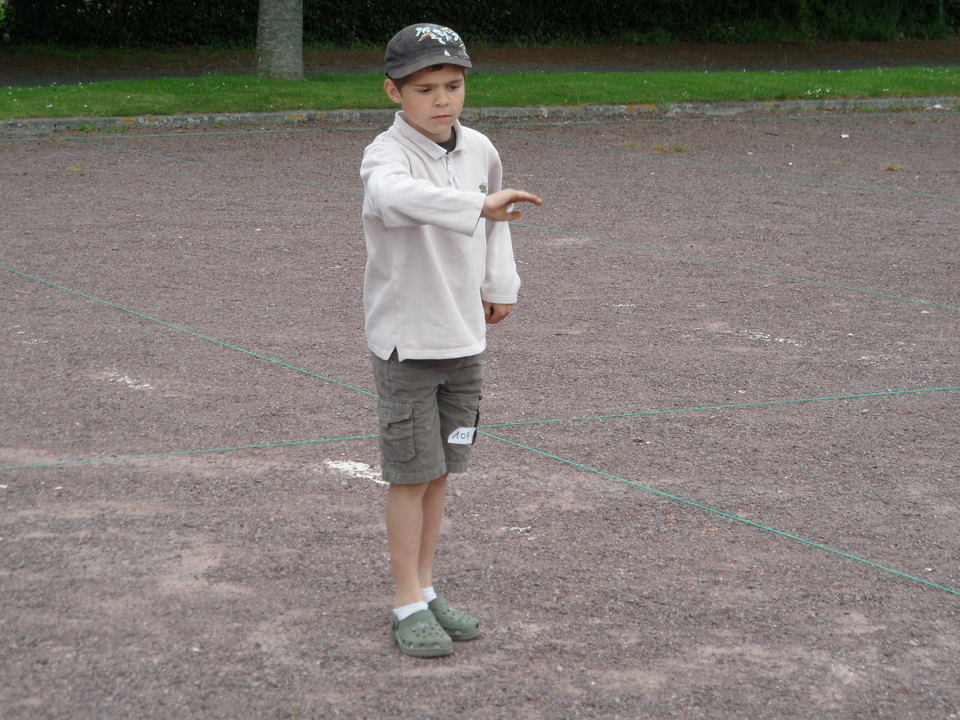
410	68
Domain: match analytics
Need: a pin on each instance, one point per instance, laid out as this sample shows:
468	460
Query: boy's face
432	99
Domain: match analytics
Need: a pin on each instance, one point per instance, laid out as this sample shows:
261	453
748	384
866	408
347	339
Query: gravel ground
718	476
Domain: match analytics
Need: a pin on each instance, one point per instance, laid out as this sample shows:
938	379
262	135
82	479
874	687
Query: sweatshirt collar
421	140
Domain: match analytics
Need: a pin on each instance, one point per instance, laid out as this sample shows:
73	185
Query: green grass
243	93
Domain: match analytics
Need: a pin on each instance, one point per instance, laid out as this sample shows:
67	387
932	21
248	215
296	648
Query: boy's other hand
497	206
495	312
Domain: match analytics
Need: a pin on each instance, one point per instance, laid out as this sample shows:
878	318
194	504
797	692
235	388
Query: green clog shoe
456	623
420	635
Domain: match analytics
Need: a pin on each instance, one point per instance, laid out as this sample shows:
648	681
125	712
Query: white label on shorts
462	436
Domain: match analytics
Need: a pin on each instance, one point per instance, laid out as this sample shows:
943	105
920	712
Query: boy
439	266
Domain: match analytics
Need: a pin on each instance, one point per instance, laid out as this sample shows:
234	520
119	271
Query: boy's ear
393	92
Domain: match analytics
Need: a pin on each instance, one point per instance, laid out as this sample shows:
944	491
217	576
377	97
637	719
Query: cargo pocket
396	430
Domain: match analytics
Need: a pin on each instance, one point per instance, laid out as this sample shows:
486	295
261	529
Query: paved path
29	71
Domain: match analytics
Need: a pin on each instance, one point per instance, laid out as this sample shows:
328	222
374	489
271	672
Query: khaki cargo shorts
429	411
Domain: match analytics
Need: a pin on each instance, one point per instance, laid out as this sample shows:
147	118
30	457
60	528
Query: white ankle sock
406	611
428	594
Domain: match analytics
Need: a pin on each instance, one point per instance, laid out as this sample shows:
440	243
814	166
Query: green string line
852	120
223	168
737	406
174	453
523	423
661	120
732	266
721	513
484	122
221	343
728	168
495	437
499	425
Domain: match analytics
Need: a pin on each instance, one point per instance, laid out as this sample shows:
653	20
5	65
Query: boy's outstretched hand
497	205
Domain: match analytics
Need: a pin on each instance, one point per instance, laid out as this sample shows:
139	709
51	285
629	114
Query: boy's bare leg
433	502
404	529
414	513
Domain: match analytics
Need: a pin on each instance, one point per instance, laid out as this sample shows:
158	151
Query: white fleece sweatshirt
431	259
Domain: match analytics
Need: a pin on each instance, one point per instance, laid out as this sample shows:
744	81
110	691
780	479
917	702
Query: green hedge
125	23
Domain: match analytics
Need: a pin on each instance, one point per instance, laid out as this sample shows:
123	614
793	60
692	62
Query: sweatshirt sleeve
501	283
400	200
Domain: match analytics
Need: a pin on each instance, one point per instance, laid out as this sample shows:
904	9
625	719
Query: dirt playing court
719	470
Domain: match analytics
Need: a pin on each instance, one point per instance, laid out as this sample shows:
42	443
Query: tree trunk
280	39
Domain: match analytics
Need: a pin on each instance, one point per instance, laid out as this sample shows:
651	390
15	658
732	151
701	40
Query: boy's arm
400	200
501	283
497	207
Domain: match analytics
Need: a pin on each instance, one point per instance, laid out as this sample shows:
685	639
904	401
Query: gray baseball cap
422	45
